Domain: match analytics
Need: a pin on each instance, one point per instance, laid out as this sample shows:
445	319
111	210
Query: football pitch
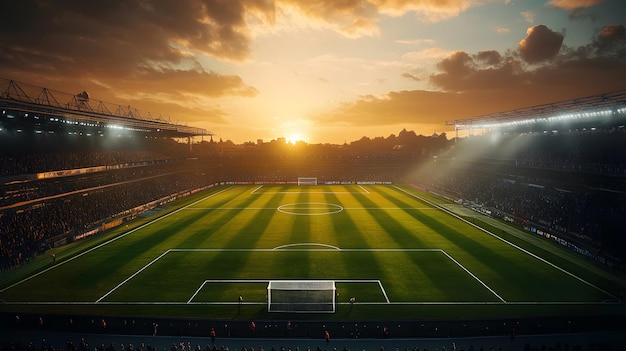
396	251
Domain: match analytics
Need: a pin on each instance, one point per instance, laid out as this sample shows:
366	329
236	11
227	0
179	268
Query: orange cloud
418	107
130	50
360	18
490	57
612	39
574	4
470	85
351	18
426	10
115	38
159	58
540	44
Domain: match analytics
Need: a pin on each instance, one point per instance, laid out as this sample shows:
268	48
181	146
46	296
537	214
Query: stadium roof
596	106
81	110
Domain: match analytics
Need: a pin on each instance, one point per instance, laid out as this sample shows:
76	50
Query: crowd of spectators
35	211
519	176
258	345
35	332
37	162
17	192
524	179
73	205
324	169
586	151
593	217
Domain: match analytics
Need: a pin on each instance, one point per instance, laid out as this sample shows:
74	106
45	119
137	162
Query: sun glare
293	138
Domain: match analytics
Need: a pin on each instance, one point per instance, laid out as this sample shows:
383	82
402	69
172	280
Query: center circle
310	208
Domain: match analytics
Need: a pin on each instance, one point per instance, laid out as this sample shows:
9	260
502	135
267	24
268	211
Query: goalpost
301	296
307	180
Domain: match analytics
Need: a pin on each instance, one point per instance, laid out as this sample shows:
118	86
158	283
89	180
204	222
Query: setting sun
293	138
327	71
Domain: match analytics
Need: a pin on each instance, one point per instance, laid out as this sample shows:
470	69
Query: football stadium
116	223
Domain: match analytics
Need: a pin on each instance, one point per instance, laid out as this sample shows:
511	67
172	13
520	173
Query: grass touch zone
395	249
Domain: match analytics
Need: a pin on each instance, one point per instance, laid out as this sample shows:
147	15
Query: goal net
301	296
307	181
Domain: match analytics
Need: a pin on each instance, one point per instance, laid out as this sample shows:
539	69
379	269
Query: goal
307	181
307	296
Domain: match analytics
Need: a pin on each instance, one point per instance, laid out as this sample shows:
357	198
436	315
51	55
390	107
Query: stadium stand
50	333
567	185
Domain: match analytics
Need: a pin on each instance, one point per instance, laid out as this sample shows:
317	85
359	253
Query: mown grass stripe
131	277
70	259
511	244
473	276
246	237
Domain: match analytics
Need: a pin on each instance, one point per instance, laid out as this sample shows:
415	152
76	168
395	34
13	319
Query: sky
320	71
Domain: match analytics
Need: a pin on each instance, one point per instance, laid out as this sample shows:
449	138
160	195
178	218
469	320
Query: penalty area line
377	281
224	281
208	281
197	291
443	209
132	276
473	276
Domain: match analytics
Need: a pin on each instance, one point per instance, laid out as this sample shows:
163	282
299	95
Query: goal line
307	180
267	281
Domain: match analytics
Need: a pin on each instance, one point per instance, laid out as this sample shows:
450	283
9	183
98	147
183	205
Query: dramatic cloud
611	41
485	70
396	108
136	51
120	39
361	18
146	51
574	4
541	44
426	10
159	32
419	107
491	57
487	82
594	68
351	18
577	7
123	40
198	59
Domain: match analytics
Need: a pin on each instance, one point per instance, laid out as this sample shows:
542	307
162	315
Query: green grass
390	247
